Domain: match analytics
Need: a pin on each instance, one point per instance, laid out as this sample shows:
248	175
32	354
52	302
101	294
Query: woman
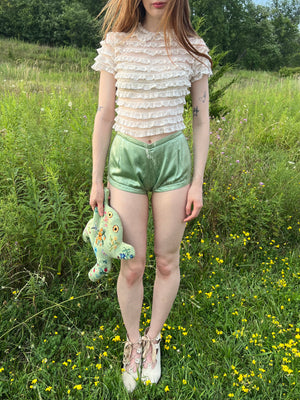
150	58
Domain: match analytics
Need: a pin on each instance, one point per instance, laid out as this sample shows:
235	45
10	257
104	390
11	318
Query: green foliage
260	45
294	60
39	136
94	7
49	22
252	36
257	37
217	107
229	331
76	27
45	58
234	329
252	170
216	93
285	71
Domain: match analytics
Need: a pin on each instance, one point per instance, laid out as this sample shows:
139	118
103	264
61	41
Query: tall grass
234	330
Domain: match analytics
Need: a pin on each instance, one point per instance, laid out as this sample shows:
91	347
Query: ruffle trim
104	61
150	113
136	45
153	58
105	51
148	124
149	132
155	49
122	102
154	67
103	66
159	76
200	74
157	85
144	35
152	39
176	93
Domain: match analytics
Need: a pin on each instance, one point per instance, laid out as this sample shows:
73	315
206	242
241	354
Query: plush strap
106	197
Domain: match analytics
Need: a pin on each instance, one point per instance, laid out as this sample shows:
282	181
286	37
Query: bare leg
133	211
168	214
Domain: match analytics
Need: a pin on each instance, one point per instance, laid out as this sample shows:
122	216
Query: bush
45	22
294	60
287	71
75	26
216	93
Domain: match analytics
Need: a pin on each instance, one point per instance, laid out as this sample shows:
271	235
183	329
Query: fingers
97	198
192	216
94	203
192	210
194	202
188	207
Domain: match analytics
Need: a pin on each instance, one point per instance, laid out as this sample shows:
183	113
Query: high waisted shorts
139	167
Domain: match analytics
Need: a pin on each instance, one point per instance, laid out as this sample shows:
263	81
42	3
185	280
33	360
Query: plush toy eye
109	214
115	228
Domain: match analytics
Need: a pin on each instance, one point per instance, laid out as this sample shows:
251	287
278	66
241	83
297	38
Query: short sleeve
201	65
105	60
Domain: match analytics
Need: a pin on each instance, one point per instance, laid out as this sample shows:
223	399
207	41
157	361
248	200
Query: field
234	330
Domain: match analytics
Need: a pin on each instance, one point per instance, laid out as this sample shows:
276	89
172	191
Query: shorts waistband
157	143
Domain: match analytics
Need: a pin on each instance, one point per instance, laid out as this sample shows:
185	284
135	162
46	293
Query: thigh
168	214
133	211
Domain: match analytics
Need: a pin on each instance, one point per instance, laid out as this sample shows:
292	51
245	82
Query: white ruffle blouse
151	82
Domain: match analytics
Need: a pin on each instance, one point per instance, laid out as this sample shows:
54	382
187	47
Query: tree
76	27
285	17
52	22
254	37
93	7
223	22
287	8
216	90
260	46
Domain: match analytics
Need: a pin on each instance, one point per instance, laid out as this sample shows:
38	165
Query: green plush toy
106	237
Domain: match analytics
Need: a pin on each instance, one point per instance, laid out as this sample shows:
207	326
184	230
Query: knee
167	264
133	270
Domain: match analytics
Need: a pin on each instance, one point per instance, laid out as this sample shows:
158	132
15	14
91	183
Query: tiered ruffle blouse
151	82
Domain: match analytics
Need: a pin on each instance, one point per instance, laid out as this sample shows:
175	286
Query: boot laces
150	345
128	353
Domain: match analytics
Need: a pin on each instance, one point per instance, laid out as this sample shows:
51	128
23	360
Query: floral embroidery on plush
106	237
101	237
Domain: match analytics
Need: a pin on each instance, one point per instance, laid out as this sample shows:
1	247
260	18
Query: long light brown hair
125	16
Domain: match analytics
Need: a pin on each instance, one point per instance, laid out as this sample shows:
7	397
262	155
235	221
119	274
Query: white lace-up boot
132	364
151	371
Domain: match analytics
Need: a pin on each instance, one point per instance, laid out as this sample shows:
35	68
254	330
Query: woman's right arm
104	120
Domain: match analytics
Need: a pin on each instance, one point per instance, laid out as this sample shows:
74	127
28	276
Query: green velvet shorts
138	167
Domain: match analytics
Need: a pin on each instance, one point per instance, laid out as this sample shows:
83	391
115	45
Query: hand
97	197
194	202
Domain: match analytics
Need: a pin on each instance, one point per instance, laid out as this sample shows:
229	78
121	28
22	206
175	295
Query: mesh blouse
151	83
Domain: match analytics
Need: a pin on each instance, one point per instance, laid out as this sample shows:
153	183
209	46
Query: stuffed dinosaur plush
106	237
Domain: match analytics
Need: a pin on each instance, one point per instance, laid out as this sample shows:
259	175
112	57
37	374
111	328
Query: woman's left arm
200	104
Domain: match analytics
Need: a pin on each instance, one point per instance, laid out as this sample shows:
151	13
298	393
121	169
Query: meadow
234	330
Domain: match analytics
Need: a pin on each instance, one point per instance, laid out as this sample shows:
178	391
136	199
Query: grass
234	329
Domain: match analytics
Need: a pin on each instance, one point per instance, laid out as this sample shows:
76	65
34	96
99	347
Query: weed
234	329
